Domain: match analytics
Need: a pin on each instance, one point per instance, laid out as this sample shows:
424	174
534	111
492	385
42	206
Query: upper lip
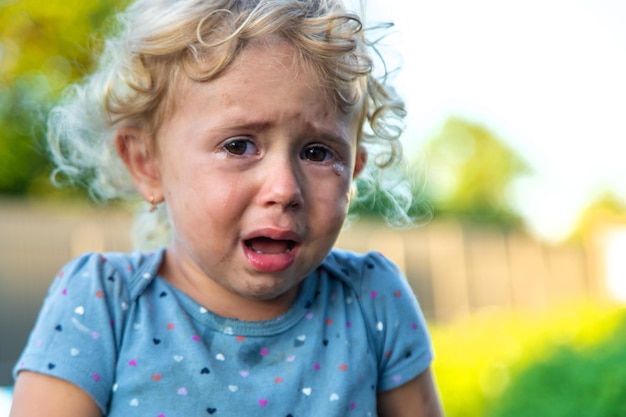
274	233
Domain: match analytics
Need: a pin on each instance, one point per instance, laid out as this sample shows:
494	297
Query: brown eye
316	154
239	147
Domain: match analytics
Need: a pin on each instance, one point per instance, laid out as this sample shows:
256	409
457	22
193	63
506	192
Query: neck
220	300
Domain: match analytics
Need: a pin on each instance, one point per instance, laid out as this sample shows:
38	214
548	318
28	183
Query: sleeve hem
405	374
89	386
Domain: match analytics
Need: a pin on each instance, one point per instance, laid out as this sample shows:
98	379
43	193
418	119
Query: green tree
606	207
44	46
470	172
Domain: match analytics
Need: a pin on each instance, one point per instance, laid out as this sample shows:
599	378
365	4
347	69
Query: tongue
268	246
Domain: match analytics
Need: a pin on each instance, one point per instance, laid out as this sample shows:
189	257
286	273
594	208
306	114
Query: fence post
448	268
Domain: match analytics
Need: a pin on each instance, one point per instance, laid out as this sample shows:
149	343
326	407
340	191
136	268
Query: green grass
504	363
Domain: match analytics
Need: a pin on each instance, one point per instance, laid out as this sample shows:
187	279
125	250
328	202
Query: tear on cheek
338	168
265	245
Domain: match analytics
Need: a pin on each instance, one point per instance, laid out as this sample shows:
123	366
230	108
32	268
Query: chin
267	293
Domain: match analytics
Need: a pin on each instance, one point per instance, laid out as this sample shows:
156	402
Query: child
243	124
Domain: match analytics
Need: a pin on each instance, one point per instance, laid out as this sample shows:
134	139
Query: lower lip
269	262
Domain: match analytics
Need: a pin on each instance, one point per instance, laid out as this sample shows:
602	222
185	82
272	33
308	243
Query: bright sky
548	77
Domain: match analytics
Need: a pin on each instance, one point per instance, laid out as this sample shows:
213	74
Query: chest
176	365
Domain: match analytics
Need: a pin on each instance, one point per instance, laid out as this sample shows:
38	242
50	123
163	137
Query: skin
275	164
256	168
416	398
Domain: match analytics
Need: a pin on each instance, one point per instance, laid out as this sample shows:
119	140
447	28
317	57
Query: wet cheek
334	204
339	169
234	190
331	183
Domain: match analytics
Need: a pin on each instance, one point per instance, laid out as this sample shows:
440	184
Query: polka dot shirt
139	346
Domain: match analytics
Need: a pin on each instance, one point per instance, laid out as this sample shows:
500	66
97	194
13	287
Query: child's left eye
316	153
240	147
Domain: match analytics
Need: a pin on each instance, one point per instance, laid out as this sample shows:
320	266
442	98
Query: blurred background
514	140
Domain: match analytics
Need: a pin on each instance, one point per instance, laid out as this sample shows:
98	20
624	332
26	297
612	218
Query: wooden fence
458	270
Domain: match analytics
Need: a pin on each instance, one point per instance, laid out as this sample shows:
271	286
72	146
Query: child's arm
42	395
416	398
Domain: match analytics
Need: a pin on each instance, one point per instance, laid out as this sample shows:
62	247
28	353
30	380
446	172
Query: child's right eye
240	147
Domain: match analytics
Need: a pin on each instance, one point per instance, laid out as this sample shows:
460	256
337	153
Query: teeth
267	246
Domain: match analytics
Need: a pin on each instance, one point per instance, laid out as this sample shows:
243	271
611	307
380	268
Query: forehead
275	54
274	59
267	83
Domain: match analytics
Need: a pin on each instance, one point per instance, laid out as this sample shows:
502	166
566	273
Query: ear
360	161
136	150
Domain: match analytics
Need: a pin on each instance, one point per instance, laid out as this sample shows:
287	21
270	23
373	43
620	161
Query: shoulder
111	280
363	270
109	270
103	282
109	263
81	323
396	327
379	286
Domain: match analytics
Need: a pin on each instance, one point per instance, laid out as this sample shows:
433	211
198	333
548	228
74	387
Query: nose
282	184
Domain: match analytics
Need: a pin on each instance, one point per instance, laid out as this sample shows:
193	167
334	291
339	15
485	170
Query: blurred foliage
470	172
498	363
571	382
607	207
467	174
44	46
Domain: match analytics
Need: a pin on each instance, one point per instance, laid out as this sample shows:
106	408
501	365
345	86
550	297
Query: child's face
256	168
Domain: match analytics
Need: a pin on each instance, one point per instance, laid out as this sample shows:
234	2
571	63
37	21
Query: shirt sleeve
76	335
398	329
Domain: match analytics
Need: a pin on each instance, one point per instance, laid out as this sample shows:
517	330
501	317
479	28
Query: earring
153	205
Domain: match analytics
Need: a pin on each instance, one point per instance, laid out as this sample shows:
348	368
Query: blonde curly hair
157	43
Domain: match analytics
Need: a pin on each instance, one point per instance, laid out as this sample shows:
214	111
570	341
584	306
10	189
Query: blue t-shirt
140	346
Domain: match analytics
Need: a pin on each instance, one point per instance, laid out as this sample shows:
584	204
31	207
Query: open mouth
267	246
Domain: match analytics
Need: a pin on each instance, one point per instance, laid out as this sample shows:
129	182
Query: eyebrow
261	125
250	125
